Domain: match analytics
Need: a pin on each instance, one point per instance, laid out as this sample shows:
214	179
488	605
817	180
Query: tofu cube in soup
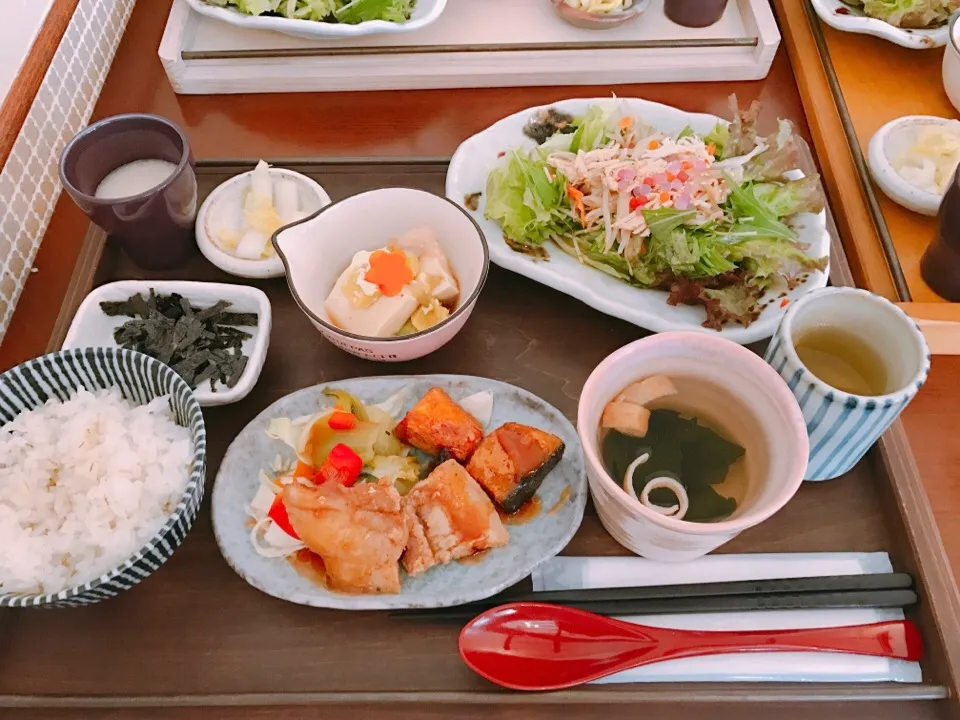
448	517
437	423
512	462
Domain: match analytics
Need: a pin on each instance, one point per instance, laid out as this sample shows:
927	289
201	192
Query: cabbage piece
792	197
737	303
402	471
359	11
524	202
910	13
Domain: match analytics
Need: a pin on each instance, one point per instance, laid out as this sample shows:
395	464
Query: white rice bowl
84	484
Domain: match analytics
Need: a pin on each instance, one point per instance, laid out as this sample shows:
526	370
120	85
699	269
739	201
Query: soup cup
740	394
316	250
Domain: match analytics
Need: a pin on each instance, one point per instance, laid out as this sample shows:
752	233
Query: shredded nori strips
199	344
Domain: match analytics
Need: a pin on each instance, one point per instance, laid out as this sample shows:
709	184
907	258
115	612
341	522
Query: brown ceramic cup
154	227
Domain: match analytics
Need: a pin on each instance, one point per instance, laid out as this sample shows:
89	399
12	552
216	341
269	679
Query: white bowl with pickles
388	275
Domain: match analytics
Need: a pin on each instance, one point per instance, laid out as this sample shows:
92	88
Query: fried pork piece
512	462
360	532
449	517
437	423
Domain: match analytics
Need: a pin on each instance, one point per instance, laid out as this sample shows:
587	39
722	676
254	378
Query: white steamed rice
83	485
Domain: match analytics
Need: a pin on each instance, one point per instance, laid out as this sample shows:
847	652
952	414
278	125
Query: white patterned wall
29	185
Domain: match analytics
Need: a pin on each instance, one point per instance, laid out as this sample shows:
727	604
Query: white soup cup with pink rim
754	407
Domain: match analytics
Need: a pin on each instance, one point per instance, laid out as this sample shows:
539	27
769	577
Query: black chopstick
841	591
714	604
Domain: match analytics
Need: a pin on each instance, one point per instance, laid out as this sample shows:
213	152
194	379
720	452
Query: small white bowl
312	198
92	328
315	251
425	13
599	21
760	413
889	142
841	16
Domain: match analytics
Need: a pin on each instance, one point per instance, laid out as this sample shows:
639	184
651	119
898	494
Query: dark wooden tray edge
900	469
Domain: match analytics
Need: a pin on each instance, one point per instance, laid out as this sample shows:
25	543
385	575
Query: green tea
683	448
842	360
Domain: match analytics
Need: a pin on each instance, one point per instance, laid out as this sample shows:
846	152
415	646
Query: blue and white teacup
842	426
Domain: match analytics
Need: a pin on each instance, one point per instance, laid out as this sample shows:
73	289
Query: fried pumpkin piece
449	517
437	423
512	461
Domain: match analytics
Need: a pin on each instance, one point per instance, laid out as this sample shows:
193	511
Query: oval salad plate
479	155
841	16
425	12
562	498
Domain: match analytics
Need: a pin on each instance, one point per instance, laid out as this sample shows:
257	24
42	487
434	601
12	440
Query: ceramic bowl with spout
316	250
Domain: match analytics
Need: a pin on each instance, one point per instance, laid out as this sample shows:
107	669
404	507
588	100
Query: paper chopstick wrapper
574	573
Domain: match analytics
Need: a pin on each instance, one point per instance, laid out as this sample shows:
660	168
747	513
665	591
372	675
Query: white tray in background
475	43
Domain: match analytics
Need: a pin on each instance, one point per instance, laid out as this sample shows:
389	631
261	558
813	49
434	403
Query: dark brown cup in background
694	13
155	227
940	265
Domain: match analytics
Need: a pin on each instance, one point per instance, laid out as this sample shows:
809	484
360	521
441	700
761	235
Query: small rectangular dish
91	327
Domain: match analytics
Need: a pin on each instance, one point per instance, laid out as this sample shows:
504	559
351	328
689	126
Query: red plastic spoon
535	646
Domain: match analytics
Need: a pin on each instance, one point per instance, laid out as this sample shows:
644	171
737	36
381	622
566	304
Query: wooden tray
195	634
851	86
475	43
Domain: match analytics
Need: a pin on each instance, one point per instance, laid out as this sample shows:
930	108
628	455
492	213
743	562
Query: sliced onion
675	511
269	551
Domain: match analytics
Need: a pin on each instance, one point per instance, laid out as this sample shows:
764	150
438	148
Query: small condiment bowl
599	21
886	145
312	198
316	250
92	328
739	390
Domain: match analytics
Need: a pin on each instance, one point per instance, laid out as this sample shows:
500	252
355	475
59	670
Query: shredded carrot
671	177
784	302
577	197
626	122
654	144
711	148
389	271
664	197
687	165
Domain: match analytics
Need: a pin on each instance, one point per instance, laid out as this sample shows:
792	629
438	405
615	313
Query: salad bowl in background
425	12
842	16
474	160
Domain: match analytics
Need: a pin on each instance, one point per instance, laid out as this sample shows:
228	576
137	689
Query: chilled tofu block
512	461
449	517
444	284
382	318
437	423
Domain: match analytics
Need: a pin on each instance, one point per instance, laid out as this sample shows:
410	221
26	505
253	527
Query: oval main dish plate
476	158
563	497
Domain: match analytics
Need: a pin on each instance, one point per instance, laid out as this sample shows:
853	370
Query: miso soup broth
701	437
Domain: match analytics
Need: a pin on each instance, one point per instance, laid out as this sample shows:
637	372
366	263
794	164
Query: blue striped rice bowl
843	427
140	379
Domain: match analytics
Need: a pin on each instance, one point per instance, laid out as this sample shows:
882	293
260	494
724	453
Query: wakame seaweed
681	448
199	344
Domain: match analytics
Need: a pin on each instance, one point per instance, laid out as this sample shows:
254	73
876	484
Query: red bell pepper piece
278	513
342	465
638	201
341	420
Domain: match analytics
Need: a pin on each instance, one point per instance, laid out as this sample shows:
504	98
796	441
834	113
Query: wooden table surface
424	124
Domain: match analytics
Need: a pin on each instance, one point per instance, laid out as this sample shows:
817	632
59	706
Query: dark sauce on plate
527	512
